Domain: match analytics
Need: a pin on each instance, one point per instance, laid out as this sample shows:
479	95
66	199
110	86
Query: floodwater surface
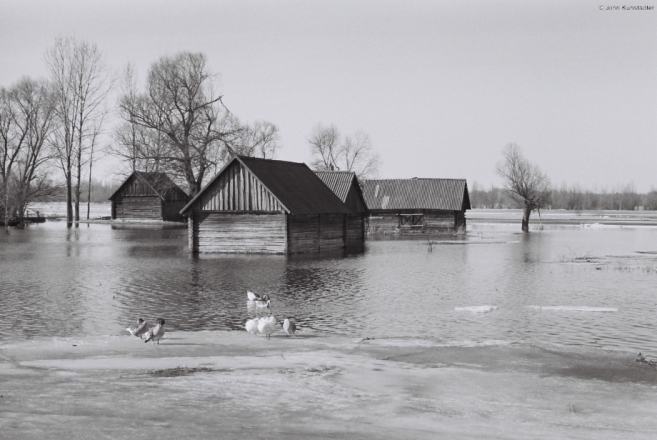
592	287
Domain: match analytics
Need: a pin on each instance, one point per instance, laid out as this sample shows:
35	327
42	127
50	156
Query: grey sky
440	87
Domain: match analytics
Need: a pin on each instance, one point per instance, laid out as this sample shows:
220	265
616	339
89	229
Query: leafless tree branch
525	182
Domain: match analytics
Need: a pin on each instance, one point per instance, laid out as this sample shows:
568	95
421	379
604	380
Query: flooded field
565	285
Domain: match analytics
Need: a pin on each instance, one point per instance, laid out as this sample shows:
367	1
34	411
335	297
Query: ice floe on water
575	308
476	309
614	226
473	241
433	343
483	343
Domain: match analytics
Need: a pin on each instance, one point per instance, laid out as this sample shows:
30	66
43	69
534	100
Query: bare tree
358	155
26	116
325	147
9	138
257	140
353	154
525	182
81	83
92	148
181	105
140	147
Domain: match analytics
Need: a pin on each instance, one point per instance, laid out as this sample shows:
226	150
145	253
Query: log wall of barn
137	207
303	233
430	222
332	231
235	232
171	210
439	221
355	229
316	233
459	221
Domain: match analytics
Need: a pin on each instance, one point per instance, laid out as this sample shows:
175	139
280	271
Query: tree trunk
525	218
78	190
6	219
69	196
91	164
89	192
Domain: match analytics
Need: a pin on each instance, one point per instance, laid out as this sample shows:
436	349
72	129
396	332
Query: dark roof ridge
418	178
251	158
334	171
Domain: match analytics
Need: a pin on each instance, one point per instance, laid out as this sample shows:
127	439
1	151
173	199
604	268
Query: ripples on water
98	279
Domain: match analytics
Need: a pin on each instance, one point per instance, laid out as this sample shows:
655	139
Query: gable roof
338	181
443	194
160	183
293	184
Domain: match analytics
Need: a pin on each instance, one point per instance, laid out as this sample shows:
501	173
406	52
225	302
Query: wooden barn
267	206
148	196
344	184
416	206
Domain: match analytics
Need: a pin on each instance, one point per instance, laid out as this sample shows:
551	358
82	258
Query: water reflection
62	282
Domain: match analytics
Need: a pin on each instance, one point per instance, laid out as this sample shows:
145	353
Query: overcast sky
441	87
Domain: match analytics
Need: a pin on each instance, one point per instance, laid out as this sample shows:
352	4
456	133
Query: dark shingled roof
295	186
443	194
338	181
160	183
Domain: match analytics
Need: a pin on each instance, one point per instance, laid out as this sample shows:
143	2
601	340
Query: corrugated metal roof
295	186
338	181
160	183
444	194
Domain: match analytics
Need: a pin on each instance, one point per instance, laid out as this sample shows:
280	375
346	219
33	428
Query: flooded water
589	286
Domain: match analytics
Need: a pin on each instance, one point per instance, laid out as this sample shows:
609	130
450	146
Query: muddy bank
229	385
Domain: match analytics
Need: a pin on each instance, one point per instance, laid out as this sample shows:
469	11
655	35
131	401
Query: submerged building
269	206
148	196
345	185
416	206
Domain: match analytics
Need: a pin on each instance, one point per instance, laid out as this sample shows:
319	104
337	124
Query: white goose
251	326
261	303
156	333
267	326
138	329
256	297
289	326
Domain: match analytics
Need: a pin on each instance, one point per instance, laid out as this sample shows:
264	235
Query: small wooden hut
266	206
148	196
416	206
345	185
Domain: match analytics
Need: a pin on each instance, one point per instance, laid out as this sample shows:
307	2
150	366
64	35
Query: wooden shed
148	196
416	206
345	185
267	206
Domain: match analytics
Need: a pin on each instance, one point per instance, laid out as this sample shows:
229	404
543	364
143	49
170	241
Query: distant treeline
100	192
570	197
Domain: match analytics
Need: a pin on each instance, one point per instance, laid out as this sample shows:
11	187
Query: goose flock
265	325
